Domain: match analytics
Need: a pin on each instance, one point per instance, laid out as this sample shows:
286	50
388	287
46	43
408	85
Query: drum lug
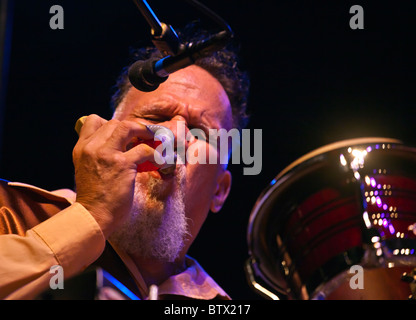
372	258
410	278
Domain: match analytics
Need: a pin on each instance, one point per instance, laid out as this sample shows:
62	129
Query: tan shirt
39	229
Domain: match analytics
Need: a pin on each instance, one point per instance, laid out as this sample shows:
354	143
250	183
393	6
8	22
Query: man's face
192	97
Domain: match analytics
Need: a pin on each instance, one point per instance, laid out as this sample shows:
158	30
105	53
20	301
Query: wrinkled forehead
192	91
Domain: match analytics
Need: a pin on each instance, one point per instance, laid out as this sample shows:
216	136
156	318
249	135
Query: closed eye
154	119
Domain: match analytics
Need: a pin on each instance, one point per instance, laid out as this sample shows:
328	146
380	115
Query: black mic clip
149	74
167	42
164	37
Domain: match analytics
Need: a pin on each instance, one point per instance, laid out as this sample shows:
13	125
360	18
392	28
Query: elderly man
136	225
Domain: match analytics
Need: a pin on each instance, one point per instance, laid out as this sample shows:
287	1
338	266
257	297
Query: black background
314	81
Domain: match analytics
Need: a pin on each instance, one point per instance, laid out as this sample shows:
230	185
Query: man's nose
179	127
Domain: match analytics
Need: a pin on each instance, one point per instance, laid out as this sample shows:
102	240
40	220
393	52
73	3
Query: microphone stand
164	37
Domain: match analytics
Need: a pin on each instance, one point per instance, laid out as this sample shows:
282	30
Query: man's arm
71	238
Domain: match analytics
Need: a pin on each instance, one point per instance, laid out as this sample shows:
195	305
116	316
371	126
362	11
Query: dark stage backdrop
314	81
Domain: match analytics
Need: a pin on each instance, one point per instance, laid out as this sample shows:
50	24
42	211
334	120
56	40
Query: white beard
157	227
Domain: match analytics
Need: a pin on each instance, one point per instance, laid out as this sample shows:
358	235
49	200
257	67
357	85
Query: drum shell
308	227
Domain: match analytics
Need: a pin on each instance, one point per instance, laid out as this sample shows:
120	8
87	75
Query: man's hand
105	171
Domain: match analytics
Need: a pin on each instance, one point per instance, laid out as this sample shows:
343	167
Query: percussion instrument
338	223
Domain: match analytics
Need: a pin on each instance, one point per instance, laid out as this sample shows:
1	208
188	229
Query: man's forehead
198	83
190	89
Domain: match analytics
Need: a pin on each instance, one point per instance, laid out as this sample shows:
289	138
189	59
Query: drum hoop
334	146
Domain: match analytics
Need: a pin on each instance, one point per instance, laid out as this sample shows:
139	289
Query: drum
338	223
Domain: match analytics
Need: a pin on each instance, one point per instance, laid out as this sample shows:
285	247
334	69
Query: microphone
147	75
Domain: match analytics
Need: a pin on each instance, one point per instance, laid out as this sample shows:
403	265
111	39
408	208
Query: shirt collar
193	283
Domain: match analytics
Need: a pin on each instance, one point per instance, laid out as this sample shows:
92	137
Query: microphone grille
142	75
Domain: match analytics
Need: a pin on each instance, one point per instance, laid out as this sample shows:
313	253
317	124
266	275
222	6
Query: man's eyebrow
158	107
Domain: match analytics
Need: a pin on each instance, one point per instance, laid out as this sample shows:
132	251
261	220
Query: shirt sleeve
71	238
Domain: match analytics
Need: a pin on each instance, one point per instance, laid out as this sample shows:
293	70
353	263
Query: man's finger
142	153
87	125
125	131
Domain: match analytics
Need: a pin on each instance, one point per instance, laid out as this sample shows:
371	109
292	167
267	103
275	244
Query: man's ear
222	191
